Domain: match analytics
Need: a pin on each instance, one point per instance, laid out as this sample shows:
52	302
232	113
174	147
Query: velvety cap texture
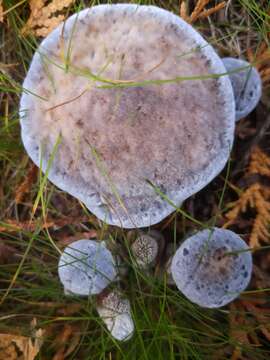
92	105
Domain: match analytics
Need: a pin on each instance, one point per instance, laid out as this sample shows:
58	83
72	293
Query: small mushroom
145	248
86	267
115	311
212	267
106	141
247	86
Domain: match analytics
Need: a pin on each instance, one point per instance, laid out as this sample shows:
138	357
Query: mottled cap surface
211	269
86	267
246	83
108	144
116	313
145	250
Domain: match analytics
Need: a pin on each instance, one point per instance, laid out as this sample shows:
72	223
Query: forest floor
37	320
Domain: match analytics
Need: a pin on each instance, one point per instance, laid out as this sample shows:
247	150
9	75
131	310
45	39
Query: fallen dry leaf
15	347
11	226
66	342
43	18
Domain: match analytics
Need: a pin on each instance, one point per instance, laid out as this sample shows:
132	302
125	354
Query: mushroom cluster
124	119
211	268
134	112
87	268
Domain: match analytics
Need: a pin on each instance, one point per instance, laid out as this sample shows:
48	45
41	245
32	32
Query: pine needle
12	346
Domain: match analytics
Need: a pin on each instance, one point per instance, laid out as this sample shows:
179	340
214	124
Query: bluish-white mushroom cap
112	143
116	313
247	85
86	267
206	273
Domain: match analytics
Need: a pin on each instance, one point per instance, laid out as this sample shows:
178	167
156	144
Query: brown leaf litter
66	341
261	60
249	317
44	16
12	226
256	197
6	253
199	12
17	347
25	187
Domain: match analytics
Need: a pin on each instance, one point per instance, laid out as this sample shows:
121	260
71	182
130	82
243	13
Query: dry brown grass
199	11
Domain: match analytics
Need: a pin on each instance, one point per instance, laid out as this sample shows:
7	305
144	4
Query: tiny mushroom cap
247	86
122	100
212	267
115	312
145	250
86	267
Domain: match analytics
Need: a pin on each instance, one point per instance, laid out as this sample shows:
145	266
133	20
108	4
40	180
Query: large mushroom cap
114	142
86	267
211	268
